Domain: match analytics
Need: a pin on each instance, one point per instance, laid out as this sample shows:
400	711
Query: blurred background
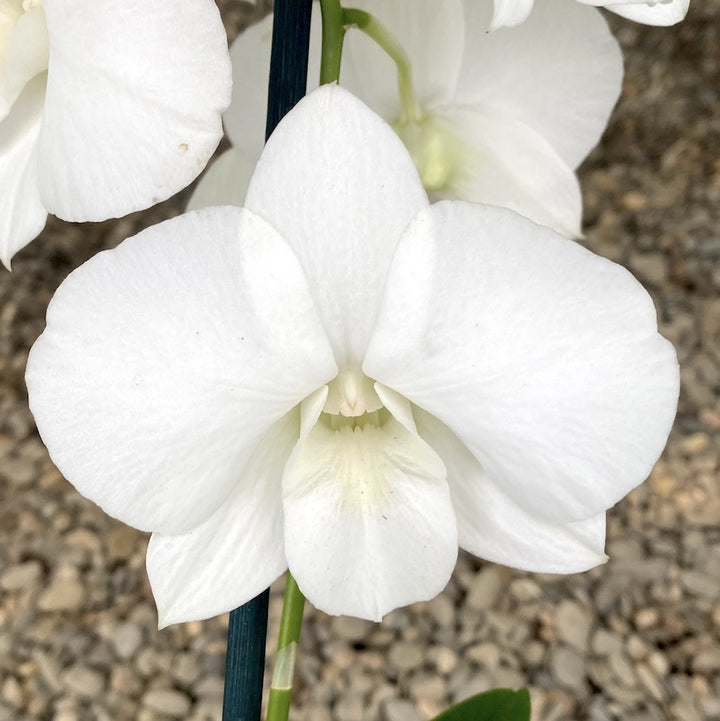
637	639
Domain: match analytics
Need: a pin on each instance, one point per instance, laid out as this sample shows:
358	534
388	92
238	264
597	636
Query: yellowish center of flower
24	47
10	13
437	152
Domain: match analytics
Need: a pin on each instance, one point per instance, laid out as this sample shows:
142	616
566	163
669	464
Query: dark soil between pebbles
637	640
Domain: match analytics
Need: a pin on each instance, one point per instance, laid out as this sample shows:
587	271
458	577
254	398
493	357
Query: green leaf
500	704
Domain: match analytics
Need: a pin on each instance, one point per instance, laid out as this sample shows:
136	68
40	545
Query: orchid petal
241	543
22	215
225	182
660	13
134	97
245	118
507	163
165	361
435	56
509	13
663	12
398	406
383	530
492	526
542	358
340	187
560	71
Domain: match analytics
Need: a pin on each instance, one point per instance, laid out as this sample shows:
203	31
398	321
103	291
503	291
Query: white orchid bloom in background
650	12
106	107
505	117
344	380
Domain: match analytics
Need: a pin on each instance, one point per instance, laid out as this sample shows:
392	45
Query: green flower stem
290	625
374	29
333	34
335	21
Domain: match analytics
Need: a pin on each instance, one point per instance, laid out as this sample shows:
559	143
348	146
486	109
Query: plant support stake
247	631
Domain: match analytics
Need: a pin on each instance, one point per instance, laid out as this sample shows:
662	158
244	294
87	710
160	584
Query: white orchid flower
651	12
505	118
106	107
344	380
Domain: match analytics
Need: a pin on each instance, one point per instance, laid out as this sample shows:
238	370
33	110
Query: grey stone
350	628
567	668
20	575
525	589
573	622
168	701
646	617
636	648
313	712
485	588
650	682
700	584
533	653
404	655
651	267
67	714
486	654
427	687
707	660
210	687
659	663
349	707
604	642
396	709
127	639
18	471
83	681
442	610
622	668
12	693
65	593
121	542
442	658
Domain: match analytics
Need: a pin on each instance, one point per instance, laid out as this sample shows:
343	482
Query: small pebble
168	701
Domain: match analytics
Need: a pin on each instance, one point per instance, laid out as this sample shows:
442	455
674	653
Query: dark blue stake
245	664
289	59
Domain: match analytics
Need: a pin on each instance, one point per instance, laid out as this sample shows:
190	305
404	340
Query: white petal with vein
340	187
543	358
22	215
493	527
237	552
135	93
165	361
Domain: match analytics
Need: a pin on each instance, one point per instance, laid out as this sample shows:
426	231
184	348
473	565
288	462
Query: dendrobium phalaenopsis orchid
650	12
345	380
501	118
106	107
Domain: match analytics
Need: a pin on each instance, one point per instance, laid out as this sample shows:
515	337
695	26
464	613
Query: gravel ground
638	639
